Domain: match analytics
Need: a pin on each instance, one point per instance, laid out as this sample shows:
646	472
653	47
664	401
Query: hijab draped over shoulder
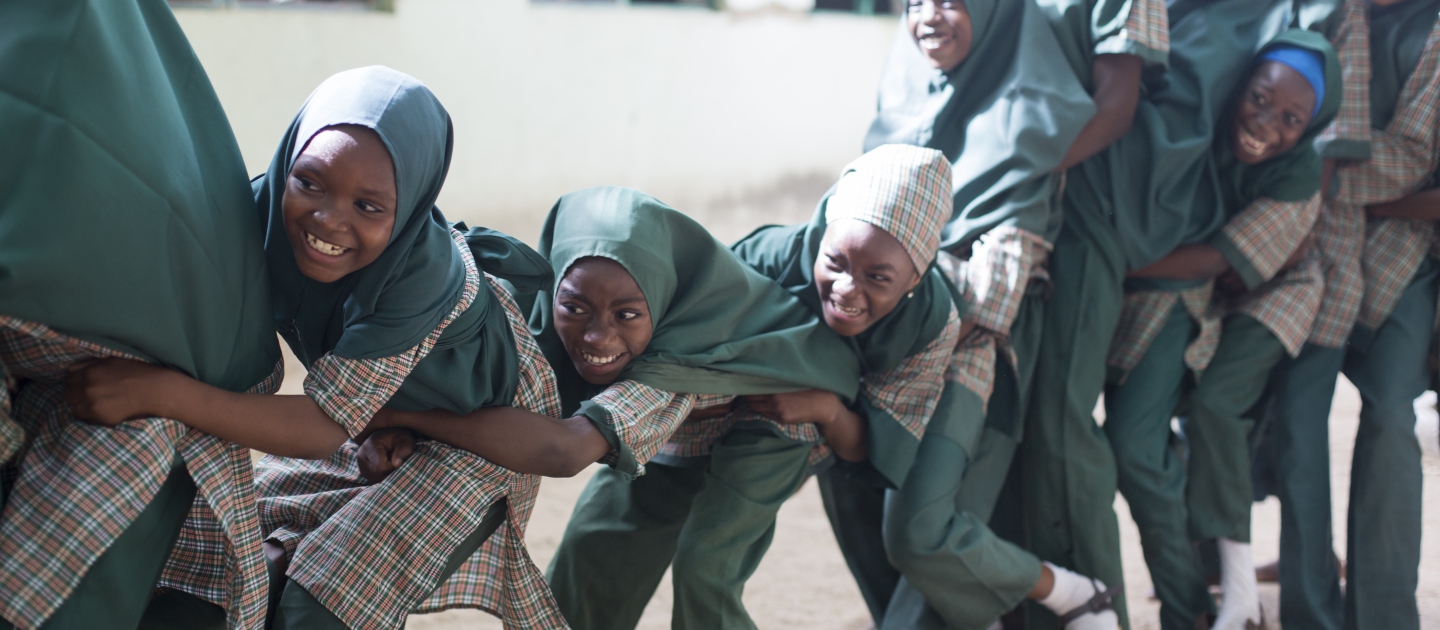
124	218
903	190
395	302
1004	117
719	326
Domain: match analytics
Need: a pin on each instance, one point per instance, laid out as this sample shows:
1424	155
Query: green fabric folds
1151	181
395	302
719	327
787	254
125	219
1397	37
1004	117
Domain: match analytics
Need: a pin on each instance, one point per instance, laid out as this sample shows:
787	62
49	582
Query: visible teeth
852	312
329	249
598	360
1251	144
932	41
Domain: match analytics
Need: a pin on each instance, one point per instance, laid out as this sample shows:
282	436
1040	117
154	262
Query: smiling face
339	203
942	30
602	318
862	273
1272	113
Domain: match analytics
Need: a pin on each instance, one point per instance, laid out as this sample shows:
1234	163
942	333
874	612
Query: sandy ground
803	582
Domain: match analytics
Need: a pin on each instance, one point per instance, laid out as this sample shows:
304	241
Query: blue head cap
1307	62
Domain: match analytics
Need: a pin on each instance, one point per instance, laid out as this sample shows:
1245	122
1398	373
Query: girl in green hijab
1268	177
126	230
649	317
387	306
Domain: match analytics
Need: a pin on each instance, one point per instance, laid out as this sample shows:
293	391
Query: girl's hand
384	451
107	392
806	406
711	412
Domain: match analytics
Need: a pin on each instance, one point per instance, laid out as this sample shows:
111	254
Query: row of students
710	381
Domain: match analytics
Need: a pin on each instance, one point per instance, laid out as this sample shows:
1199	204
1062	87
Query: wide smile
844	312
324	247
1251	145
934	41
600	360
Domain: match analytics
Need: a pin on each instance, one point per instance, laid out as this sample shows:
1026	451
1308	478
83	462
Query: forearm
1187	262
1421	206
283	425
846	436
1117	94
521	440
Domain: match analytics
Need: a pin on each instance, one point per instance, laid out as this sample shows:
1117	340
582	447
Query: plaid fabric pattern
646	420
12	437
902	189
1402	161
1339	236
1352	46
1002	264
908	392
973	363
1286	305
79	486
1144	313
373	553
1269	231
1146	33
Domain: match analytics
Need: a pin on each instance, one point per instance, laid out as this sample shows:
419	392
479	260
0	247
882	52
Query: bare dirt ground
803	582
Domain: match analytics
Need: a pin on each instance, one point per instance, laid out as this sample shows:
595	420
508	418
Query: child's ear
915	279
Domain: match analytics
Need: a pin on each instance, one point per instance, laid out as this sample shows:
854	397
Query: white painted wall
736	118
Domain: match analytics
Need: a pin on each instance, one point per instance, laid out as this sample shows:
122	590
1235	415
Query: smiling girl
1268	198
387	307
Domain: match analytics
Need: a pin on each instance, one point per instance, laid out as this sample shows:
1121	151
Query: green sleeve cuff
1343	149
624	458
1238	261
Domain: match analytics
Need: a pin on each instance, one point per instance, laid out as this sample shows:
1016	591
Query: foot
1427	424
1081	603
1268	572
1240	605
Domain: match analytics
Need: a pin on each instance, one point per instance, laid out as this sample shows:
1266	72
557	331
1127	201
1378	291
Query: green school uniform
720	327
126	222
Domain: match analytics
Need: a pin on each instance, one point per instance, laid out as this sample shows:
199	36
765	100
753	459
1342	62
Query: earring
910	294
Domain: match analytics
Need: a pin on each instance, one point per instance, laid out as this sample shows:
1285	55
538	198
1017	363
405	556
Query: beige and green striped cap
899	188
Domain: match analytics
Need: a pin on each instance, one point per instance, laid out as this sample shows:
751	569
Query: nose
929	13
599	333
329	216
843	286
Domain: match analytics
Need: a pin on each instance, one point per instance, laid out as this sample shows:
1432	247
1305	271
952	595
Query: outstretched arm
521	440
843	429
1421	206
111	391
1117	93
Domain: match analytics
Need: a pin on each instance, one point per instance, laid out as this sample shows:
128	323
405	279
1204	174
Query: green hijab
393	303
1295	174
1147	183
1004	117
787	255
125	219
1397	37
719	327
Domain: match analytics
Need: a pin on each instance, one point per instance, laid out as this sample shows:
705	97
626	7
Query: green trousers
1152	473
297	609
1068	476
856	511
936	528
1218	494
716	523
115	591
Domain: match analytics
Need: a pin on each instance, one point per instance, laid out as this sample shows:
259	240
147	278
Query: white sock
1071	591
1241	601
1427	424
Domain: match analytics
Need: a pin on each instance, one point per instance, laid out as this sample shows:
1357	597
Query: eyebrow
567	293
630	300
383	196
882	267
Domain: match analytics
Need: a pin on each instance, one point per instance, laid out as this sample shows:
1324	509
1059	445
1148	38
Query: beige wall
738	119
